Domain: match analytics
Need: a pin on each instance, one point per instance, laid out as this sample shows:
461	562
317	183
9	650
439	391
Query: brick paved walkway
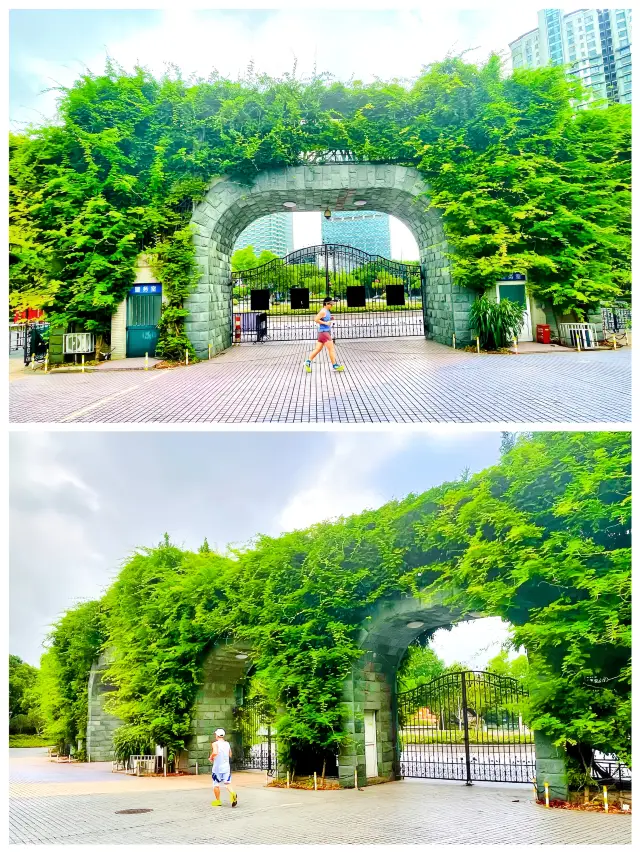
394	380
79	808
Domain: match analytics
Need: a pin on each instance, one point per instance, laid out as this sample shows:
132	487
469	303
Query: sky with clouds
52	47
81	502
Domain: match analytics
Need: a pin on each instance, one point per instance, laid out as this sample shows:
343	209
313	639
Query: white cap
219	732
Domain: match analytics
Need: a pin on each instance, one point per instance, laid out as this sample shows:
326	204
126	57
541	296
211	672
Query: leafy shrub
497	324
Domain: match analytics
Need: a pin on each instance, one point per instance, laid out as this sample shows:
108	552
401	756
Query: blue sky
81	502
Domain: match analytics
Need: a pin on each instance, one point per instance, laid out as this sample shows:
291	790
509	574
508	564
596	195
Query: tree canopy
542	539
24	715
524	181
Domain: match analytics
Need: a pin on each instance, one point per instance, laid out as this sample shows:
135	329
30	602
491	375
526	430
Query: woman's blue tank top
325	324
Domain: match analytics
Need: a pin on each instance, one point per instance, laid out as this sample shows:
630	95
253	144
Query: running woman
221	770
323	319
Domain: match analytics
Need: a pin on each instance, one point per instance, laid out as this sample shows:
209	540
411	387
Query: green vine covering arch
541	539
525	181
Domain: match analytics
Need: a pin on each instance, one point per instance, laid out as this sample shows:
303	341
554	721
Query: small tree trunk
324	767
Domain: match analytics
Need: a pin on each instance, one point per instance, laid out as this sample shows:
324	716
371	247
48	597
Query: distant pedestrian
323	319
221	770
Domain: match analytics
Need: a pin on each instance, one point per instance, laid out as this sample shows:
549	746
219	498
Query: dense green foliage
24	715
524	182
73	645
540	539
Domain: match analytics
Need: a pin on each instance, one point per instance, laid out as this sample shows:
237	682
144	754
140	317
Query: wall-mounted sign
146	288
514	276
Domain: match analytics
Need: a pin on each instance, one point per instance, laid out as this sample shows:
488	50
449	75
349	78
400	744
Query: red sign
29	314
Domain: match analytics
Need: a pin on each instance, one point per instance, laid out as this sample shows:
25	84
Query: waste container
543	334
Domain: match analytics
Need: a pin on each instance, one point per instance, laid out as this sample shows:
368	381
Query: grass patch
28	741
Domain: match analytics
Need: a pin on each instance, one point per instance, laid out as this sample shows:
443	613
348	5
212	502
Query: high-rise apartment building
368	231
273	233
595	43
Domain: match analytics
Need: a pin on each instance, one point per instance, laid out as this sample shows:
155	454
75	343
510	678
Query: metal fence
373	296
467	726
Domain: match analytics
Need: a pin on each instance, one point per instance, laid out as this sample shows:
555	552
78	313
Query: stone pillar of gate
370	687
101	725
551	767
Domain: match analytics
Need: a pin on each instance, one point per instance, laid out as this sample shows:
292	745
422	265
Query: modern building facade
595	43
366	230
272	233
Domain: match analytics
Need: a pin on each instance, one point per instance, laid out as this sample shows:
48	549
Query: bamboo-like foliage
497	324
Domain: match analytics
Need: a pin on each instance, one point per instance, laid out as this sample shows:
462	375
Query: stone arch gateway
371	689
230	206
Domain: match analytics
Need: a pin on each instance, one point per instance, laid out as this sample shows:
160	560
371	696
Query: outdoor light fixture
359	203
289	204
415	624
327	214
242	657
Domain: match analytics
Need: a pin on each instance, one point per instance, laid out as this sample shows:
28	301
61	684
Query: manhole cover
134	811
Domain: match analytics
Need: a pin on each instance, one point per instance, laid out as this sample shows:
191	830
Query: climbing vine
525	183
173	264
541	539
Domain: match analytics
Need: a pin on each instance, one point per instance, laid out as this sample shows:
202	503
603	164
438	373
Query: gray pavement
406	380
77	804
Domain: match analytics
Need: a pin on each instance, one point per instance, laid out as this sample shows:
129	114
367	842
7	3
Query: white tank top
221	761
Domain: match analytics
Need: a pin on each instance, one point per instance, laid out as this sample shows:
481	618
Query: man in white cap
221	770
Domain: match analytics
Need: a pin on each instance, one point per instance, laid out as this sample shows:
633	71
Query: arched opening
224	673
229	207
464	725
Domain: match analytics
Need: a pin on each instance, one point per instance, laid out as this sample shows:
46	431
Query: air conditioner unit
79	342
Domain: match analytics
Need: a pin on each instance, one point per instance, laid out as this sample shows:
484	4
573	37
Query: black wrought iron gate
254	738
374	296
469	726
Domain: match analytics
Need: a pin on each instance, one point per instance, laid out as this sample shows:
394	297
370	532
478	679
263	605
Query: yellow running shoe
234	800
216	803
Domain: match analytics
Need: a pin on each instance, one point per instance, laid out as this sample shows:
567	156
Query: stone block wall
371	687
100	724
551	767
220	693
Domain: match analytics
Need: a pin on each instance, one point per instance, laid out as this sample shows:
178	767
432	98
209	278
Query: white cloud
35	463
341	478
472	643
363	43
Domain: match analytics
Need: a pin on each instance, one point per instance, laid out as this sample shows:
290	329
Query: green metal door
143	315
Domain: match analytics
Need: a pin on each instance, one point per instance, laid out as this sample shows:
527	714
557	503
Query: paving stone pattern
408	812
385	381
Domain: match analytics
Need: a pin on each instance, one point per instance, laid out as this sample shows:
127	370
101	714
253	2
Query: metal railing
467	726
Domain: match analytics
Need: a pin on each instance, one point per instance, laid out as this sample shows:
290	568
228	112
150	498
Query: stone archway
223	670
229	207
385	635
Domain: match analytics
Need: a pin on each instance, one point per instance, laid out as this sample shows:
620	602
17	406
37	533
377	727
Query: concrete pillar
119	331
551	767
